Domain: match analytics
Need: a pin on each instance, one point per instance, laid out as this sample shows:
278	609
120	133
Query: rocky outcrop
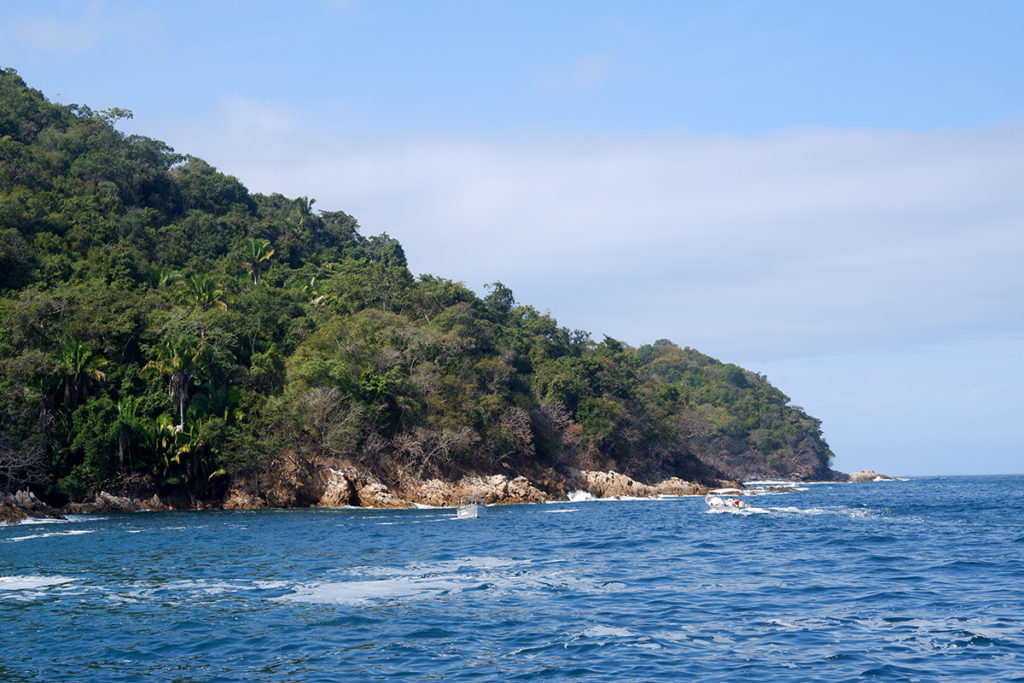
107	503
868	475
239	497
615	485
336	489
606	484
349	487
339	483
496	489
336	482
22	505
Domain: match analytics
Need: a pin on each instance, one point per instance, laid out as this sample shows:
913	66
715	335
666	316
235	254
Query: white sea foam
40	520
72	532
617	635
52	520
425	581
743	512
80	519
192	588
606	631
580	496
361	592
31	582
204	587
560	510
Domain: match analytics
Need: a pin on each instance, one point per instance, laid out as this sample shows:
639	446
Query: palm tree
159	277
205	291
79	365
256	251
182	359
127	426
304	208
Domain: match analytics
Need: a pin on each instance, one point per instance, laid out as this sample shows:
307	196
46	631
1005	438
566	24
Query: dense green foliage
160	321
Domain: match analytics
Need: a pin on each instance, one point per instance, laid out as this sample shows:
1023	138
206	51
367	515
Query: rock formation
868	475
22	505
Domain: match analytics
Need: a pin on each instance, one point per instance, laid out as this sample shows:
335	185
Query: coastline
341	484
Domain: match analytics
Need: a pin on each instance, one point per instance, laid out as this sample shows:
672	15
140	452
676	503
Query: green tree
78	366
181	358
204	291
303	210
128	427
257	252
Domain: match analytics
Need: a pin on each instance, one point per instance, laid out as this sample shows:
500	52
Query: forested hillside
163	325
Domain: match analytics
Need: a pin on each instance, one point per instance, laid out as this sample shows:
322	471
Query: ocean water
916	580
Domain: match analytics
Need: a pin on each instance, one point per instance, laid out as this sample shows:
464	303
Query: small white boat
725	500
469	507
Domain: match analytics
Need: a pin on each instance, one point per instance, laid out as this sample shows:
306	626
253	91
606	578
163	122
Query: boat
725	500
469	507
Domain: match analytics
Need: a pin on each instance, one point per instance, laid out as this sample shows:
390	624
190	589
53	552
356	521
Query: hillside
165	330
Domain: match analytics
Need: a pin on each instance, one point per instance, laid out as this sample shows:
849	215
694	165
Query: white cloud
805	241
873	276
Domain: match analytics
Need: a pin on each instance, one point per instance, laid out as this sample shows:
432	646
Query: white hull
468	511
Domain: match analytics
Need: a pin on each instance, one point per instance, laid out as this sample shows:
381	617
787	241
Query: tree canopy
161	321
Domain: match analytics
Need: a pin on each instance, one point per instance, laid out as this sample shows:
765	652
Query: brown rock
377	495
868	475
607	484
240	499
335	488
11	514
499	489
675	486
22	505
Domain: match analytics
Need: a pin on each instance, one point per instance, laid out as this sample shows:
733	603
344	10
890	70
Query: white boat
469	507
725	500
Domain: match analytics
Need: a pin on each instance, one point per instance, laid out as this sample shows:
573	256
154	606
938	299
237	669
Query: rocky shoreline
341	484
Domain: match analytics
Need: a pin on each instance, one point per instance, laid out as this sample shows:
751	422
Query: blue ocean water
909	580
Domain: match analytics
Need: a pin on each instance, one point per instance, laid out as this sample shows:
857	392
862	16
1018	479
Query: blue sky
826	193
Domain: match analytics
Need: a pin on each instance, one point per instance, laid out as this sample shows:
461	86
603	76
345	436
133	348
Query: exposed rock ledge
17	507
104	503
613	485
341	484
868	475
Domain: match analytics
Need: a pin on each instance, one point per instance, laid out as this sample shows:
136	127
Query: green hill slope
163	324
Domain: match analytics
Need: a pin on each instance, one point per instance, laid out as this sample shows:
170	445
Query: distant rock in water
869	475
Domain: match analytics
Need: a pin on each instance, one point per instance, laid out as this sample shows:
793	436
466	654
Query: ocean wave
925	579
426	581
31	582
71	532
68	519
